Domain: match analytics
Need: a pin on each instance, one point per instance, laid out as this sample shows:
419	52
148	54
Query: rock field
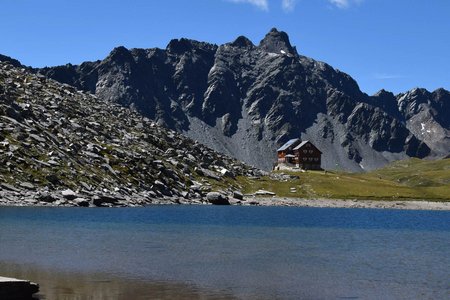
63	147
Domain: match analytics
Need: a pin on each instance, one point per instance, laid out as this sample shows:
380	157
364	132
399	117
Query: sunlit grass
411	179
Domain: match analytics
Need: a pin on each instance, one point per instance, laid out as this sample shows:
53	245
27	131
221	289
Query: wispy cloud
261	4
345	3
386	76
288	5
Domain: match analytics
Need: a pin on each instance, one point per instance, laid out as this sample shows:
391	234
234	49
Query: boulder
52	178
264	193
81	202
27	185
49	198
226	173
101	200
207	173
217	198
69	194
9	187
238	195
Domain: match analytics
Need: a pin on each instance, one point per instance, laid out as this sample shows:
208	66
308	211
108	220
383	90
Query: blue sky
391	44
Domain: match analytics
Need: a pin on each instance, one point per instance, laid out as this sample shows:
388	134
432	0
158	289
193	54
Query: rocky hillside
245	100
61	146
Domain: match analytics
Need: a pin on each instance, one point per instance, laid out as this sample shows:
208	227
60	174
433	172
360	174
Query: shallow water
210	252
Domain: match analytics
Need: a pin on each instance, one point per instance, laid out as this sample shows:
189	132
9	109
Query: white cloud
345	3
288	5
261	4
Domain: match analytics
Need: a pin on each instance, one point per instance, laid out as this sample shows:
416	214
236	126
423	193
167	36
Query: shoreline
30	199
355	203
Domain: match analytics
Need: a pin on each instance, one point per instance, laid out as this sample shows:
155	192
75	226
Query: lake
227	252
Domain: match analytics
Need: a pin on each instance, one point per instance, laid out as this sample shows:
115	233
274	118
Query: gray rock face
427	116
245	101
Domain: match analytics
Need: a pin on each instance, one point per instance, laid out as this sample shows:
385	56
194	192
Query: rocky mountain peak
120	54
420	93
413	98
387	101
242	42
179	46
244	100
276	41
183	45
440	92
383	93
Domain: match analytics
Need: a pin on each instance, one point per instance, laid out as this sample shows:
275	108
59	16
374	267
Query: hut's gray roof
301	145
287	144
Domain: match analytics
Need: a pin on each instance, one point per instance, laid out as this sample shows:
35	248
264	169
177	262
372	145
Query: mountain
246	100
61	146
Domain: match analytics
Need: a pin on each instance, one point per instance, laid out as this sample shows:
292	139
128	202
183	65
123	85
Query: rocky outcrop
12	61
246	100
427	116
61	146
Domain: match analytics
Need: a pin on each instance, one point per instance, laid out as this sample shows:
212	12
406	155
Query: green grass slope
409	179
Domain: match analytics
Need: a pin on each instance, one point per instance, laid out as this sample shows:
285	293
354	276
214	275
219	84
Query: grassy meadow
409	179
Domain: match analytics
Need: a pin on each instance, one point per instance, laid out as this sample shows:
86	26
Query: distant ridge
246	101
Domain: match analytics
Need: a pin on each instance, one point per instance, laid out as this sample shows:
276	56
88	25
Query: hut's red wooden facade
301	154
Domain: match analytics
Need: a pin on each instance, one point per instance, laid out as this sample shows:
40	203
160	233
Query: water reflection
86	286
188	252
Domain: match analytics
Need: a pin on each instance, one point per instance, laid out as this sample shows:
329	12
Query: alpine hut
301	154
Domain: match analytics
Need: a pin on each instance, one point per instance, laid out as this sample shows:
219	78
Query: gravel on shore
69	198
354	203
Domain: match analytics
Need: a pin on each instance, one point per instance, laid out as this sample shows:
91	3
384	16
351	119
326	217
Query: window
310	151
316	159
304	158
305	151
310	158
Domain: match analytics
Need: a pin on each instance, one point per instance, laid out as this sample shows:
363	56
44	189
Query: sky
392	44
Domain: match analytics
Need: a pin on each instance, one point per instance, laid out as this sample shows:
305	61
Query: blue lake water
239	252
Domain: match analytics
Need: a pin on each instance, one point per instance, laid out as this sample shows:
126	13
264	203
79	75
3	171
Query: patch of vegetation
411	179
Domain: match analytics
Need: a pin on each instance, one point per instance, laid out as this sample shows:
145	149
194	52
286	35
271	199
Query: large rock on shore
217	198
